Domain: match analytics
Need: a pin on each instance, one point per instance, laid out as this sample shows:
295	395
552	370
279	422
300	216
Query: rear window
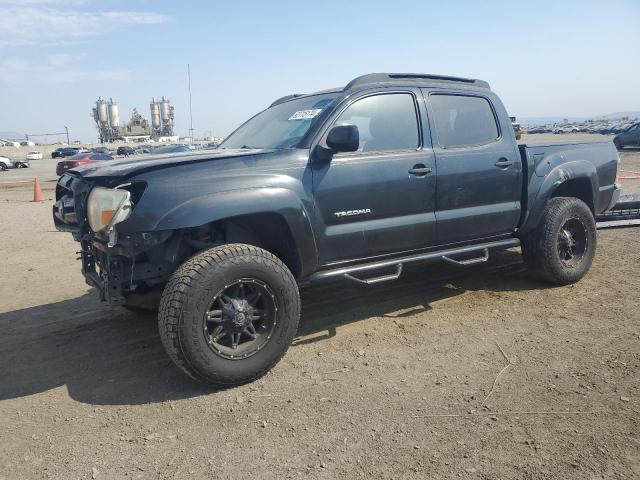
463	120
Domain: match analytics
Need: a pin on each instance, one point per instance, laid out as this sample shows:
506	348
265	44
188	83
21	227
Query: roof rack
286	98
390	77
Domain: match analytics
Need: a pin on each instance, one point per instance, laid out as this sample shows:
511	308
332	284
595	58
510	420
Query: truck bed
559	162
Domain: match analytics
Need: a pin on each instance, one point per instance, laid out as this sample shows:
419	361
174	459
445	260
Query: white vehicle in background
566	129
5	163
34	156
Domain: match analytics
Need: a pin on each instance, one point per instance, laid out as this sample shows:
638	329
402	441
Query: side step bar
623	214
443	255
470	261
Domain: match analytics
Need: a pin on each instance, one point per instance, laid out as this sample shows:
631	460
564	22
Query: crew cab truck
352	183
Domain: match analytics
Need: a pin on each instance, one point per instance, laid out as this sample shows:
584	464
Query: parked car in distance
21	164
80	159
104	150
5	163
628	138
65	152
517	129
172	149
535	130
566	129
352	183
125	150
34	155
143	149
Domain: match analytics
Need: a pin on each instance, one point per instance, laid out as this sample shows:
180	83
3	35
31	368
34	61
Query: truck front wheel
563	246
229	314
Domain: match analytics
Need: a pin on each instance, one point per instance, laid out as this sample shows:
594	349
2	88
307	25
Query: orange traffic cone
37	192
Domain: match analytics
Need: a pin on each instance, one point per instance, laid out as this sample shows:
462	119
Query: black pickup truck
350	183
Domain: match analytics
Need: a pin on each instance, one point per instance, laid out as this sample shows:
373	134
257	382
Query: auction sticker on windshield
305	114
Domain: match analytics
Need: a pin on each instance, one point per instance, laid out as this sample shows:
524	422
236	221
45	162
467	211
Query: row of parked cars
602	129
627	135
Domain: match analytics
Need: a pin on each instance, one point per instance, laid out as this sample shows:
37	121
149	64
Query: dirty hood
134	165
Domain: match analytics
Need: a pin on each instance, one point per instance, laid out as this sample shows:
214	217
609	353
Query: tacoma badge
352	213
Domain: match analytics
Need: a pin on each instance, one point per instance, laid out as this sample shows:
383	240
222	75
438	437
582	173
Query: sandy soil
479	374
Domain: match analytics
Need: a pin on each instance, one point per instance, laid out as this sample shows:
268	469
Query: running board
618	223
470	261
349	273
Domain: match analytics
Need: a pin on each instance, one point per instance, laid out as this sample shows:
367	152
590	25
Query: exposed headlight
106	207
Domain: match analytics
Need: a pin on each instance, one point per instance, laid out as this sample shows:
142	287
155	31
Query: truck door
479	171
381	198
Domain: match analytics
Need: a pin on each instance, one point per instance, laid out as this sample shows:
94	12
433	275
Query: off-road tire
541	247
188	294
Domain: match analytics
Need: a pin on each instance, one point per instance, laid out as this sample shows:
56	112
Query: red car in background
80	159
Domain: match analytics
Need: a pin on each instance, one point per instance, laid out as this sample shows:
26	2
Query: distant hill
549	120
12	136
613	116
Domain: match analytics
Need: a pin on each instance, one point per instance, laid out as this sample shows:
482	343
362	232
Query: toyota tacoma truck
351	183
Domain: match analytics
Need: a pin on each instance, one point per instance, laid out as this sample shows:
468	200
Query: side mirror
343	138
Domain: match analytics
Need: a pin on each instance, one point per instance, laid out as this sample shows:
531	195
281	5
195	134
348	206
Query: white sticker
305	114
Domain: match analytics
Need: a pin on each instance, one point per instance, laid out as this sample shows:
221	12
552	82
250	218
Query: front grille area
68	211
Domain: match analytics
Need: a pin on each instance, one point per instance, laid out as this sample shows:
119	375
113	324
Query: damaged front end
117	264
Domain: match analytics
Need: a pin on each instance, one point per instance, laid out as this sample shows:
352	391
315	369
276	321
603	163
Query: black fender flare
558	175
286	203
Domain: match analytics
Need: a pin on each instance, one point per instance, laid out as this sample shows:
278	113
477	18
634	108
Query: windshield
281	126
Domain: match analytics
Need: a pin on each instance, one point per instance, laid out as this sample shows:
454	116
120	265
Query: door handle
503	163
420	170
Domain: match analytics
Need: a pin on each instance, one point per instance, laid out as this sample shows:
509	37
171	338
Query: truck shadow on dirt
107	356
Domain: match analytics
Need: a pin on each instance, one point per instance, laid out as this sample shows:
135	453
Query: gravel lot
481	374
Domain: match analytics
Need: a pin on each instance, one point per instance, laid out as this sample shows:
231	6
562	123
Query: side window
385	122
463	120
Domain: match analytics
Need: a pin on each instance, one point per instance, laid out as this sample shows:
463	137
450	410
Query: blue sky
544	58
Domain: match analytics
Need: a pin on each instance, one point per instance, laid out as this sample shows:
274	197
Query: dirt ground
479	374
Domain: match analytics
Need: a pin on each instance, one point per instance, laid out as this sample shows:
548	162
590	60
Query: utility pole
66	129
190	108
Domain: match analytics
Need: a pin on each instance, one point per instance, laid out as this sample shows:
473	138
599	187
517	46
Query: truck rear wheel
229	314
563	246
